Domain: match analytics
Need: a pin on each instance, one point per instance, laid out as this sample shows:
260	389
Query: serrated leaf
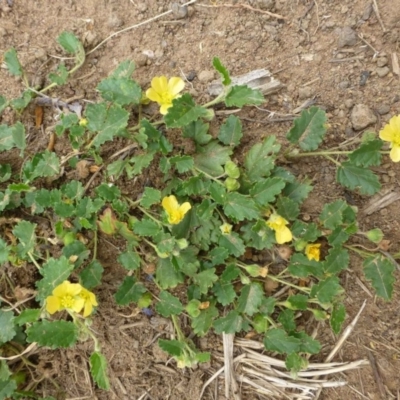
286	318
325	291
278	340
217	192
13	65
105	121
22	102
122	91
258	235
5	172
226	80
24	231
60	77
19	136
211	157
224	292
168	276
307	343
297	191
204	321
250	299
182	163
336	261
266	190
205	279
146	227
338	237
307	232
354	177
54	272
6	139
368	154
130	260
4	251
240	95
129	291
302	267
70	43
168	305
184	111
198	131
230	132
98	370
3	103
295	363
28	315
5	372
150	196
7	388
53	334
287	208
332	214
338	316
309	129
174	348
233	243
260	160
91	275
298	301
239	207
42	165
124	70
140	162
218	255
233	322
379	270
7	331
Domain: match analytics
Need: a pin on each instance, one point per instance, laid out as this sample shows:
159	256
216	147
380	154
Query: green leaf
184	111
167	275
182	163
7	331
218	255
368	154
307	343
260	160
326	290
60	77
337	317
260	323
130	260
18	135
197	185
211	157
146	227
150	196
42	165
106	121
98	370
240	95
24	231
298	301
307	232
240	207
353	177
129	291
338	237
295	363
297	191
53	334
267	306
332	214
217	192
70	43
197	130
122	91
174	348
287	208
203	322
5	372
13	65
233	322
224	292
205	279
168	305
3	103
336	261
5	172
140	162
302	267
4	251
6	139
54	272
250	299
309	129
265	190
28	315
286	318
7	388
379	270
22	102
233	243
230	132
124	70
278	340
226	80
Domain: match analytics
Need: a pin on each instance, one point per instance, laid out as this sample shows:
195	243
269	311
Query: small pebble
179	11
347	37
383	109
349	103
362	116
381	61
382	72
206	76
141	60
114	22
344	85
305	93
191	75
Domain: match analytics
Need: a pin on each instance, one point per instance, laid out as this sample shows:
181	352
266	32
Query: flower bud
232	170
232	184
375	235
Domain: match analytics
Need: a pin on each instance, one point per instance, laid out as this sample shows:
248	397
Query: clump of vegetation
219	227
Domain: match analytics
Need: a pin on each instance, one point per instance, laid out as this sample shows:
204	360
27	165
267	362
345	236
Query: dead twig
376	10
377	375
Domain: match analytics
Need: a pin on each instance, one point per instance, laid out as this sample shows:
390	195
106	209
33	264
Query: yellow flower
90	301
65	297
163	92
313	251
282	232
83	122
175	211
226	229
391	133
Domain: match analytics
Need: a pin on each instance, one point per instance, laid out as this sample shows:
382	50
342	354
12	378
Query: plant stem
318	153
178	331
286	283
95	246
195	169
34	261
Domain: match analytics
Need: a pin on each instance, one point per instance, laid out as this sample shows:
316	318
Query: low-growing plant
220	232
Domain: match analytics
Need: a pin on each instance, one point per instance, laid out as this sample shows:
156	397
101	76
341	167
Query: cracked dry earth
339	55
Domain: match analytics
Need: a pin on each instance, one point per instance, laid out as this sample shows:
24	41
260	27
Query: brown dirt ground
299	51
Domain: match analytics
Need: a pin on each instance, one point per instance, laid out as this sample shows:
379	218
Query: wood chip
395	64
379	201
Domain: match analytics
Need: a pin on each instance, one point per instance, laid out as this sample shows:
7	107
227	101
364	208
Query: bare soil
302	50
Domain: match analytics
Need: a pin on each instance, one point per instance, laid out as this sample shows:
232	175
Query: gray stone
382	61
361	117
206	76
383	109
344	84
179	11
265	4
347	37
349	103
305	93
115	22
382	72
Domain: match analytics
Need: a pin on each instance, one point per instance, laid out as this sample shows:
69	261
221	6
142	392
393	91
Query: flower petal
185	207
53	304
88	309
153	95
159	84
175	85
170	204
387	133
164	108
283	235
395	153
78	304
